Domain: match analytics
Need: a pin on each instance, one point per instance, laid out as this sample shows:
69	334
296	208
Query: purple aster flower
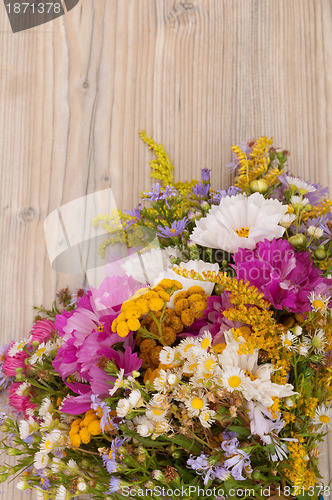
201	190
101	406
201	466
110	460
136	214
157	194
205	174
222	193
176	228
237	464
282	275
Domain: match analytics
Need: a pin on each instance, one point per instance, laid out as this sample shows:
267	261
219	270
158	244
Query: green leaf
242	431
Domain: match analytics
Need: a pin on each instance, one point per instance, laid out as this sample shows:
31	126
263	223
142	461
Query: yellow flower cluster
255	165
162	167
324	207
190	304
148	300
309	407
298	472
82	430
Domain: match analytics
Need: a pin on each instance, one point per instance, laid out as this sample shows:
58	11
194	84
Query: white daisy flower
81	485
47	421
135	397
299	202
196	404
240	222
204	342
289	340
39	494
300	185
286	220
208	363
123	408
19	346
55	465
190	367
24	428
61	493
43	350
167	355
23	389
323	417
45	407
144	426
40	460
319	302
174	378
162	427
233	378
297	330
315	232
118	383
303	348
22	485
317	340
186	346
207	418
160	382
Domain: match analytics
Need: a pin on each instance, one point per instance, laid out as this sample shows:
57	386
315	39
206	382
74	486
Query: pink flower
11	364
43	330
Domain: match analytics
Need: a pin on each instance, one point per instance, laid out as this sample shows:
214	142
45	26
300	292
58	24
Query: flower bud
298	241
258	186
218	289
13	451
177	454
320	253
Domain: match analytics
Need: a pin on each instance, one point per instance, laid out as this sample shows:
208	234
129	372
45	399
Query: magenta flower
43	330
284	276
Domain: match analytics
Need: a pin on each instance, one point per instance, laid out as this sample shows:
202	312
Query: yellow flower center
188	347
318	304
197	403
243	232
48	445
287	343
206	417
158	411
193	367
100	328
40	351
173	230
234	381
209	363
324	419
22	344
205	343
219	347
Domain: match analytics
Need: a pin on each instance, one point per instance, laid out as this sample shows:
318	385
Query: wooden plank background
198	75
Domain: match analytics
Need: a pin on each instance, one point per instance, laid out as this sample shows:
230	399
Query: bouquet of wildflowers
199	368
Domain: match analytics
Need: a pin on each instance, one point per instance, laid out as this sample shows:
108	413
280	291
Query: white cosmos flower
323	417
240	222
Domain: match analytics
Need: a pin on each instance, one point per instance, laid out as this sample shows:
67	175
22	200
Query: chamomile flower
190	367
303	348
317	341
135	397
160	382
208	363
207	418
45	407
299	202
233	378
61	493
145	427
18	346
205	341
118	383
297	184
123	408
157	408
81	485
43	350
167	355
315	232
286	220
24	429
49	441
196	404
323	416
23	389
41	460
162	427
55	465
319	302
47	421
186	346
289	340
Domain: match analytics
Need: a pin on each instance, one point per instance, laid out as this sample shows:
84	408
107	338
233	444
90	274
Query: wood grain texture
198	75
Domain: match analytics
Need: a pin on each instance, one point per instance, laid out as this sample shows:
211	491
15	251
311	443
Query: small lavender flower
176	228
222	193
230	446
202	466
205	174
157	194
98	404
115	485
136	214
238	463
201	190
